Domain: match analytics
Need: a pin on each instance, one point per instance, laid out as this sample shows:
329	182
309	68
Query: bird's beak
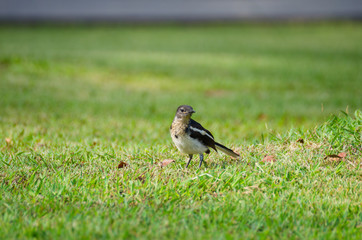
192	111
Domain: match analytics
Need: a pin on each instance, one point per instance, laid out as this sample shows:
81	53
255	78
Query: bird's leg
190	155
201	159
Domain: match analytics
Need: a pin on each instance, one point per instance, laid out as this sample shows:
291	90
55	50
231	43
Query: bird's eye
182	110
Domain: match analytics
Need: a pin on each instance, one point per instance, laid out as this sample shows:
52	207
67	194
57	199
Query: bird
190	137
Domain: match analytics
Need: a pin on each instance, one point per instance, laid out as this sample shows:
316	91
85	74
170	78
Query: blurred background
84	70
187	10
88	87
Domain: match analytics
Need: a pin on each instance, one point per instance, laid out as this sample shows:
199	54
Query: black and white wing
200	133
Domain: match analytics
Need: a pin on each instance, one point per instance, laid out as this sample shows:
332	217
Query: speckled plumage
180	134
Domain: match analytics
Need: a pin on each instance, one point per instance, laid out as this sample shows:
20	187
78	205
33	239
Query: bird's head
184	111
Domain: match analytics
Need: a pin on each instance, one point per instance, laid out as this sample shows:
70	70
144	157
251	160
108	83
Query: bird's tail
226	150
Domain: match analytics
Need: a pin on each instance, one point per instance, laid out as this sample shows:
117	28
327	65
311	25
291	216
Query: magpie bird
192	138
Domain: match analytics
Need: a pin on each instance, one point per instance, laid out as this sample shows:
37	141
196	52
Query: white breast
188	145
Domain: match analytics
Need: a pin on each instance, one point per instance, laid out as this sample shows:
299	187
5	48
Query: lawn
75	101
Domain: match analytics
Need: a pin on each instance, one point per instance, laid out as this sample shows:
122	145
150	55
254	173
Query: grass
77	100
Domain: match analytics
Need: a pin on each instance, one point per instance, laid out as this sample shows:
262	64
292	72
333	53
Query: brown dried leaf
336	158
122	164
300	140
166	162
269	158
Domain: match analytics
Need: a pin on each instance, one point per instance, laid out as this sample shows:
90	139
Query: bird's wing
200	133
